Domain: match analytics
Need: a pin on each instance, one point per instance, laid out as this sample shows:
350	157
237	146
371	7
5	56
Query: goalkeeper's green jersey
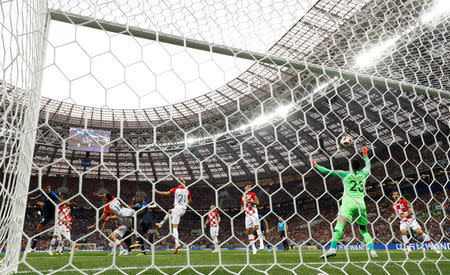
354	182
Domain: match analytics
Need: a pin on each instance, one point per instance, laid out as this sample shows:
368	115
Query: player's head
280	219
108	196
47	189
356	164
395	195
212	206
181	181
247	187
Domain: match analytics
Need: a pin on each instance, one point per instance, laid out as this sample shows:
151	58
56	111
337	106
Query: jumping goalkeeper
353	205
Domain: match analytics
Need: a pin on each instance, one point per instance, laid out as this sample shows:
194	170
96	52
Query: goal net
245	137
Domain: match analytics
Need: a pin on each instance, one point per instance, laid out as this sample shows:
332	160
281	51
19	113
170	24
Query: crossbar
244	54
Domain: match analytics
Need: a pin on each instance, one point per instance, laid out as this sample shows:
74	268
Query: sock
52	244
425	238
60	245
175	235
337	234
140	241
166	217
260	237
251	240
285	244
115	244
405	240
216	242
34	243
127	242
367	238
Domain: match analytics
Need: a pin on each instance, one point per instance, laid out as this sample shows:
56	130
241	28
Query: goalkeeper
353	205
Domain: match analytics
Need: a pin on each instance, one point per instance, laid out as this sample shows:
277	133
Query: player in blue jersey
50	200
145	223
265	231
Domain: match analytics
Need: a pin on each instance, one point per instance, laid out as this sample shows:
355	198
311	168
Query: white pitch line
227	265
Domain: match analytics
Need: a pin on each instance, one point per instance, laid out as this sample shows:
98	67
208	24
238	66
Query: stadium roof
297	43
321	109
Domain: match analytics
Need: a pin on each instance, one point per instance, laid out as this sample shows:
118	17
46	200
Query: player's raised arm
35	198
163	193
99	195
325	170
55	197
367	166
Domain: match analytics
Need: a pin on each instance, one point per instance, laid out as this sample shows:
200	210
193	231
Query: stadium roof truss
331	96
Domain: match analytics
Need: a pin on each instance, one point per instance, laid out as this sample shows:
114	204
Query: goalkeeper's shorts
351	209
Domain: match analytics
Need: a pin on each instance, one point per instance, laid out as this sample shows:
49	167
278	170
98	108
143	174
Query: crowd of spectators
310	219
308	203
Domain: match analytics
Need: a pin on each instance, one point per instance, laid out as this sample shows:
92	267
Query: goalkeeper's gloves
313	162
365	151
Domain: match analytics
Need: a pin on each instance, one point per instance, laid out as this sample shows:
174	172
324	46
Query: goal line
232	265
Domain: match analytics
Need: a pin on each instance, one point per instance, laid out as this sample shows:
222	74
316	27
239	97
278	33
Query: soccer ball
346	141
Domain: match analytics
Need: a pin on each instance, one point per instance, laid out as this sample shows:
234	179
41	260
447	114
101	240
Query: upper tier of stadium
325	35
279	115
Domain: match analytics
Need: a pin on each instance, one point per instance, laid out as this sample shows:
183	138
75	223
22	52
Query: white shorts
177	213
121	230
125	212
412	224
61	231
251	221
214	231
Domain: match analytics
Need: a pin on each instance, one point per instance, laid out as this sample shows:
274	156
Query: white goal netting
113	104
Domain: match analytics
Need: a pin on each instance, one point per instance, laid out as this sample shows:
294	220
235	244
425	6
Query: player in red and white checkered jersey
123	216
213	220
182	197
62	229
403	209
249	202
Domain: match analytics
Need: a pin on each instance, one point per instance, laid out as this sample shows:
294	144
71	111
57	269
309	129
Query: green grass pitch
290	262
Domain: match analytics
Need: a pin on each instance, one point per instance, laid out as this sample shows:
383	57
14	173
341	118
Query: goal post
23	33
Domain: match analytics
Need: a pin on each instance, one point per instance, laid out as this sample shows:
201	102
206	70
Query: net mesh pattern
318	71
